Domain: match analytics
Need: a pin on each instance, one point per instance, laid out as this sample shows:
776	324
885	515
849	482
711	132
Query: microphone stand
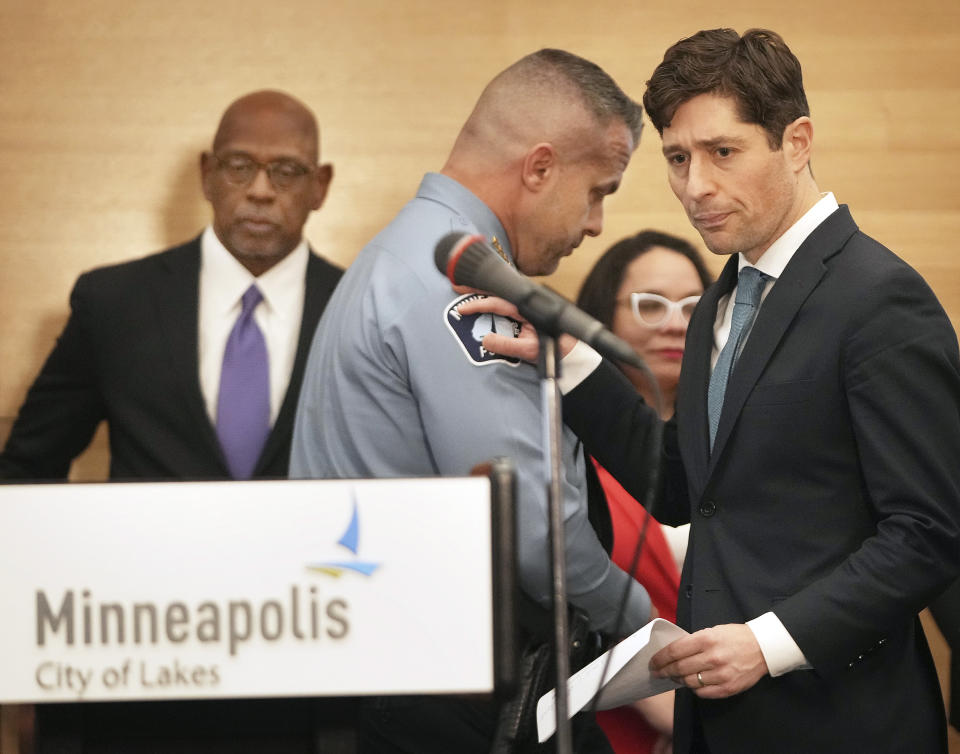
548	368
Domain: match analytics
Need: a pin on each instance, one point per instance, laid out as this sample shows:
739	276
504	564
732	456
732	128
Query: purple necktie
243	405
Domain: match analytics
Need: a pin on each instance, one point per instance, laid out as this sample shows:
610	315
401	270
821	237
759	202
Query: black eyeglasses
240	170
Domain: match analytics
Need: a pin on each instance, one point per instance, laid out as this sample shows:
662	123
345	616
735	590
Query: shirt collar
225	280
473	214
775	259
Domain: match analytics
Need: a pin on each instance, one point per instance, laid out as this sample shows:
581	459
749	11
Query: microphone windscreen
449	250
443	248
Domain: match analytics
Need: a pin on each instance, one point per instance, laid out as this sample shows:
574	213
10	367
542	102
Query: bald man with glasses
194	357
153	346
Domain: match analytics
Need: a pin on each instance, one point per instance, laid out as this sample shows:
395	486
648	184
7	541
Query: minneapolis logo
470	330
349	541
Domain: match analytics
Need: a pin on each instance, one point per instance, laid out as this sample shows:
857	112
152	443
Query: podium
314	589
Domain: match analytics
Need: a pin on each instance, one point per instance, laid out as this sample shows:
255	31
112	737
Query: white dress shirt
223	281
772	263
779	649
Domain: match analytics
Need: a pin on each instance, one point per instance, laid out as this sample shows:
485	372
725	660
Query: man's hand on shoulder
526	346
715	662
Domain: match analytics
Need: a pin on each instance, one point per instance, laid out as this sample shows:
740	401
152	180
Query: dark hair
601	95
599	291
757	70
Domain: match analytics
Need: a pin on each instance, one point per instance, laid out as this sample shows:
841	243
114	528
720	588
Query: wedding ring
700	680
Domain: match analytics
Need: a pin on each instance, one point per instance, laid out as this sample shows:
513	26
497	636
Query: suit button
708	508
689	590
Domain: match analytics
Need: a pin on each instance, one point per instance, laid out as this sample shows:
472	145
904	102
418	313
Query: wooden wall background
105	105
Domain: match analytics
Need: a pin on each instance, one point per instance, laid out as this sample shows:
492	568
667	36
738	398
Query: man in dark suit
145	340
144	349
816	437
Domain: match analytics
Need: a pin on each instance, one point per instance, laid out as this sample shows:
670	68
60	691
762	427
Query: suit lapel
177	305
319	285
801	275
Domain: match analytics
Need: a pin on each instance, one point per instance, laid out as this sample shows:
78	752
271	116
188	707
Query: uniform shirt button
708	508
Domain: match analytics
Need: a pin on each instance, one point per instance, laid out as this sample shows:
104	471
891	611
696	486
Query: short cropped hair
757	70
600	94
598	293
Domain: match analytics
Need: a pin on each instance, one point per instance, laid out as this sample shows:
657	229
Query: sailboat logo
350	541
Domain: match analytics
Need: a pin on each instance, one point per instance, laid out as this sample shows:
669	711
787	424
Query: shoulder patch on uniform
470	330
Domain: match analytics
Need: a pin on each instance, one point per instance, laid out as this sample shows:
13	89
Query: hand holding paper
714	662
627	678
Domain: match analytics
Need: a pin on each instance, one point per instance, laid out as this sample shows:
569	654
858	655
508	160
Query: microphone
469	260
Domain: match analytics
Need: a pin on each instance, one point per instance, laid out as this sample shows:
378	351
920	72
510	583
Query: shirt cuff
777	645
576	366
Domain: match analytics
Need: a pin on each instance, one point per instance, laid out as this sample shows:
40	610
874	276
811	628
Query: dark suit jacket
946	612
128	355
831	497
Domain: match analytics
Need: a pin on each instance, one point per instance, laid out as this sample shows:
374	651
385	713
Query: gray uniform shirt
397	385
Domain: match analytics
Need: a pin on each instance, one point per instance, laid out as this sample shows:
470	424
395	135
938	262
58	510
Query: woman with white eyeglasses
644	289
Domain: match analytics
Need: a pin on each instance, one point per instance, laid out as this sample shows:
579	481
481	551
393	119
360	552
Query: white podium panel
239	589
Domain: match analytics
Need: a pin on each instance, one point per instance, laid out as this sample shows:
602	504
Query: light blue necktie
749	287
243	405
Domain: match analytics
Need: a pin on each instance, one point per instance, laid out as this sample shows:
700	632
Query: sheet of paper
627	677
